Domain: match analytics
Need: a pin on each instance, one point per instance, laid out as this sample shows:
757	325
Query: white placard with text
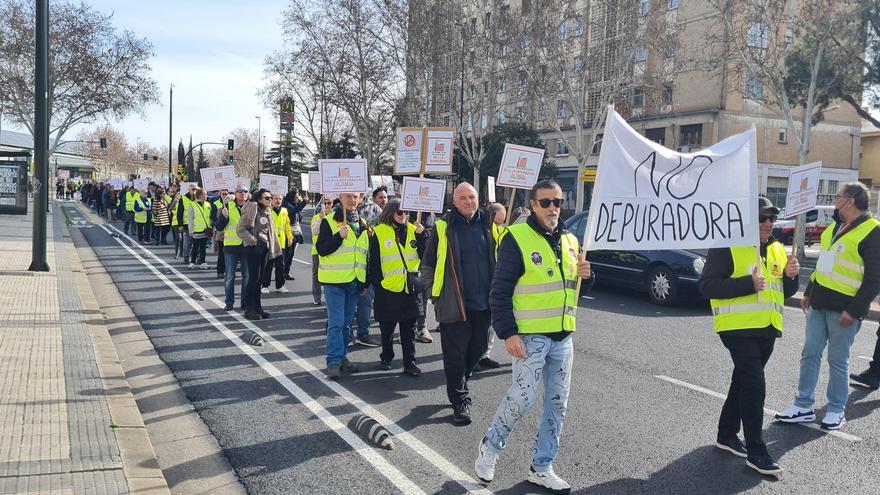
419	194
520	166
276	184
803	189
408	154
490	188
344	176
439	156
217	178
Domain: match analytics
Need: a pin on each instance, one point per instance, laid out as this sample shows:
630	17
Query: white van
817	220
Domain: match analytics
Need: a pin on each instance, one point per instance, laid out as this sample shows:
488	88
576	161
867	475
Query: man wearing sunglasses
534	309
845	281
747	303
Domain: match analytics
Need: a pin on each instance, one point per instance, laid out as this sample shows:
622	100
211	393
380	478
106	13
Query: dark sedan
668	276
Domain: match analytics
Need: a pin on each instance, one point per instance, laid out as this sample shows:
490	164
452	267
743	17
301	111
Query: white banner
803	189
217	178
344	176
649	197
490	188
141	184
418	194
276	184
408	153
304	182
439	159
520	166
315	181
116	183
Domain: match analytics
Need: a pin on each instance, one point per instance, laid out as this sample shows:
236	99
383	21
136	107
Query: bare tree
96	69
114	161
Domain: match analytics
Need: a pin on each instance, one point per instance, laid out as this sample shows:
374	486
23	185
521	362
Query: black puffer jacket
387	305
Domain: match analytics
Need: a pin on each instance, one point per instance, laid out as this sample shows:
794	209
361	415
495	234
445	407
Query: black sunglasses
545	203
764	218
400	212
266	197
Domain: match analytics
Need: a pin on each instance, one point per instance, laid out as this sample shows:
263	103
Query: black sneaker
461	413
332	371
732	445
489	363
411	369
764	464
867	378
228	307
252	315
348	366
385	365
264	315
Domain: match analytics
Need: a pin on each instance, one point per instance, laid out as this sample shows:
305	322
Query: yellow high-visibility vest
130	198
316	227
848	269
230	234
753	311
392	259
349	262
141	216
282	226
201	216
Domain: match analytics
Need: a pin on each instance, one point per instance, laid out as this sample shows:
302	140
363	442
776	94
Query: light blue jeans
552	360
363	313
341	302
822	328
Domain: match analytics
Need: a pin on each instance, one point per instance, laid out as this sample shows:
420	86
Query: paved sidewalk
68	421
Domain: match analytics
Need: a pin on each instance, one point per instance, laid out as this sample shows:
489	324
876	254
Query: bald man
457	271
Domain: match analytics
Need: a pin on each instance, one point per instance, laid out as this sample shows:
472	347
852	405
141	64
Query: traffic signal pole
41	139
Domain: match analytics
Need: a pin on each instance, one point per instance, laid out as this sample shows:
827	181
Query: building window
754	88
670	51
484	121
579	25
560	109
777	190
657	134
500	118
597	146
640	54
673	4
756	36
542	112
692	135
646	7
473	25
561	147
563	29
783	135
789	37
524	42
639	99
485	88
502	85
578	64
562	72
487	21
666	97
503	51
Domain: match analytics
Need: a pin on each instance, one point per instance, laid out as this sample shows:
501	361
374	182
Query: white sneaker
264	290
549	480
204	266
833	421
795	414
485	463
192	266
282	290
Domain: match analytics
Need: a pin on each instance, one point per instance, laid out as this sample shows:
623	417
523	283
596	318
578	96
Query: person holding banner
342	245
457	267
217	205
747	304
257	232
285	239
142	212
393	266
233	248
188	200
845	281
131	195
327	205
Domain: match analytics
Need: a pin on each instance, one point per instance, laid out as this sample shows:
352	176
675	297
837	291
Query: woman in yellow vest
395	250
283	232
199	224
327	205
142	207
257	232
845	281
748	325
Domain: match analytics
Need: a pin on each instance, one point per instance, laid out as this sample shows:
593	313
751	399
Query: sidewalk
68	421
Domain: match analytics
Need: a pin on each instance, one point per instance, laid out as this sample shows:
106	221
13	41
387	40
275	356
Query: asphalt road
642	415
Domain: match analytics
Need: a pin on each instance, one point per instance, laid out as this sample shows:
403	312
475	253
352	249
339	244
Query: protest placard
650	197
408	153
63	174
304	182
141	184
490	188
420	194
439	152
276	184
344	176
803	189
217	178
315	181
520	166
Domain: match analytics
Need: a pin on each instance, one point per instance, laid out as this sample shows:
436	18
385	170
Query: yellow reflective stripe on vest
848	269
753	311
349	262
201	216
230	234
141	216
544	299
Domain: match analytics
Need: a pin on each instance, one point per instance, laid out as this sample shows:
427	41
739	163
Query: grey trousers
316	286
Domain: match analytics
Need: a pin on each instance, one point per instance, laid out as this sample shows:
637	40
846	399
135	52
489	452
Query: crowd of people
373	260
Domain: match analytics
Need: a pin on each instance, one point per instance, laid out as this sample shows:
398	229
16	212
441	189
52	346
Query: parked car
668	276
817	220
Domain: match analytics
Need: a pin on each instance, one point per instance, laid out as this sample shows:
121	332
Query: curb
140	465
795	302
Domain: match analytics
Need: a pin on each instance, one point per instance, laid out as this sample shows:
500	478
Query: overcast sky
213	52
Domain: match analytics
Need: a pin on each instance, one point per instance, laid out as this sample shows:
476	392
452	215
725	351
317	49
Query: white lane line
301	261
381	464
768	412
448	468
866	358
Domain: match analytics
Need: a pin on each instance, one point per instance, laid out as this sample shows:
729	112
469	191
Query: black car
668	275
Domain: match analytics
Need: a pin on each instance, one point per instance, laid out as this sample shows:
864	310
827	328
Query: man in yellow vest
327	204
131	195
534	309
216	205
233	249
457	269
747	303
843	284
285	238
343	242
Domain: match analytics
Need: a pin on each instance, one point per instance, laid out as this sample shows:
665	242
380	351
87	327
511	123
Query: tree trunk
476	183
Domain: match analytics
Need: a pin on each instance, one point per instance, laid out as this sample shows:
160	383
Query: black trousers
143	232
161	233
288	258
197	251
278	265
745	399
463	344
875	362
255	256
221	258
407	334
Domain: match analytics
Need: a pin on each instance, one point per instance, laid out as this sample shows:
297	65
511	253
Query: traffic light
102	142
155	158
231	158
146	156
230	144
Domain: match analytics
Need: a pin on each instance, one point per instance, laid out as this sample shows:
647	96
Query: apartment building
673	92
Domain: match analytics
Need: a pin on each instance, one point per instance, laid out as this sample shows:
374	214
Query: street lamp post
259	148
41	138
170	113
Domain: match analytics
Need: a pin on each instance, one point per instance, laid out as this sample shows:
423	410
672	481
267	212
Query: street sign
13	182
286	115
588	175
803	189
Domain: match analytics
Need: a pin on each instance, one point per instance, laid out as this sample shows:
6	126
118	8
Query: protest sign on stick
276	184
803	191
520	166
422	195
408	152
217	178
340	176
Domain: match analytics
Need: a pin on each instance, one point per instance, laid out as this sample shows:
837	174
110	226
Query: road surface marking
381	464
449	469
768	412
866	358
